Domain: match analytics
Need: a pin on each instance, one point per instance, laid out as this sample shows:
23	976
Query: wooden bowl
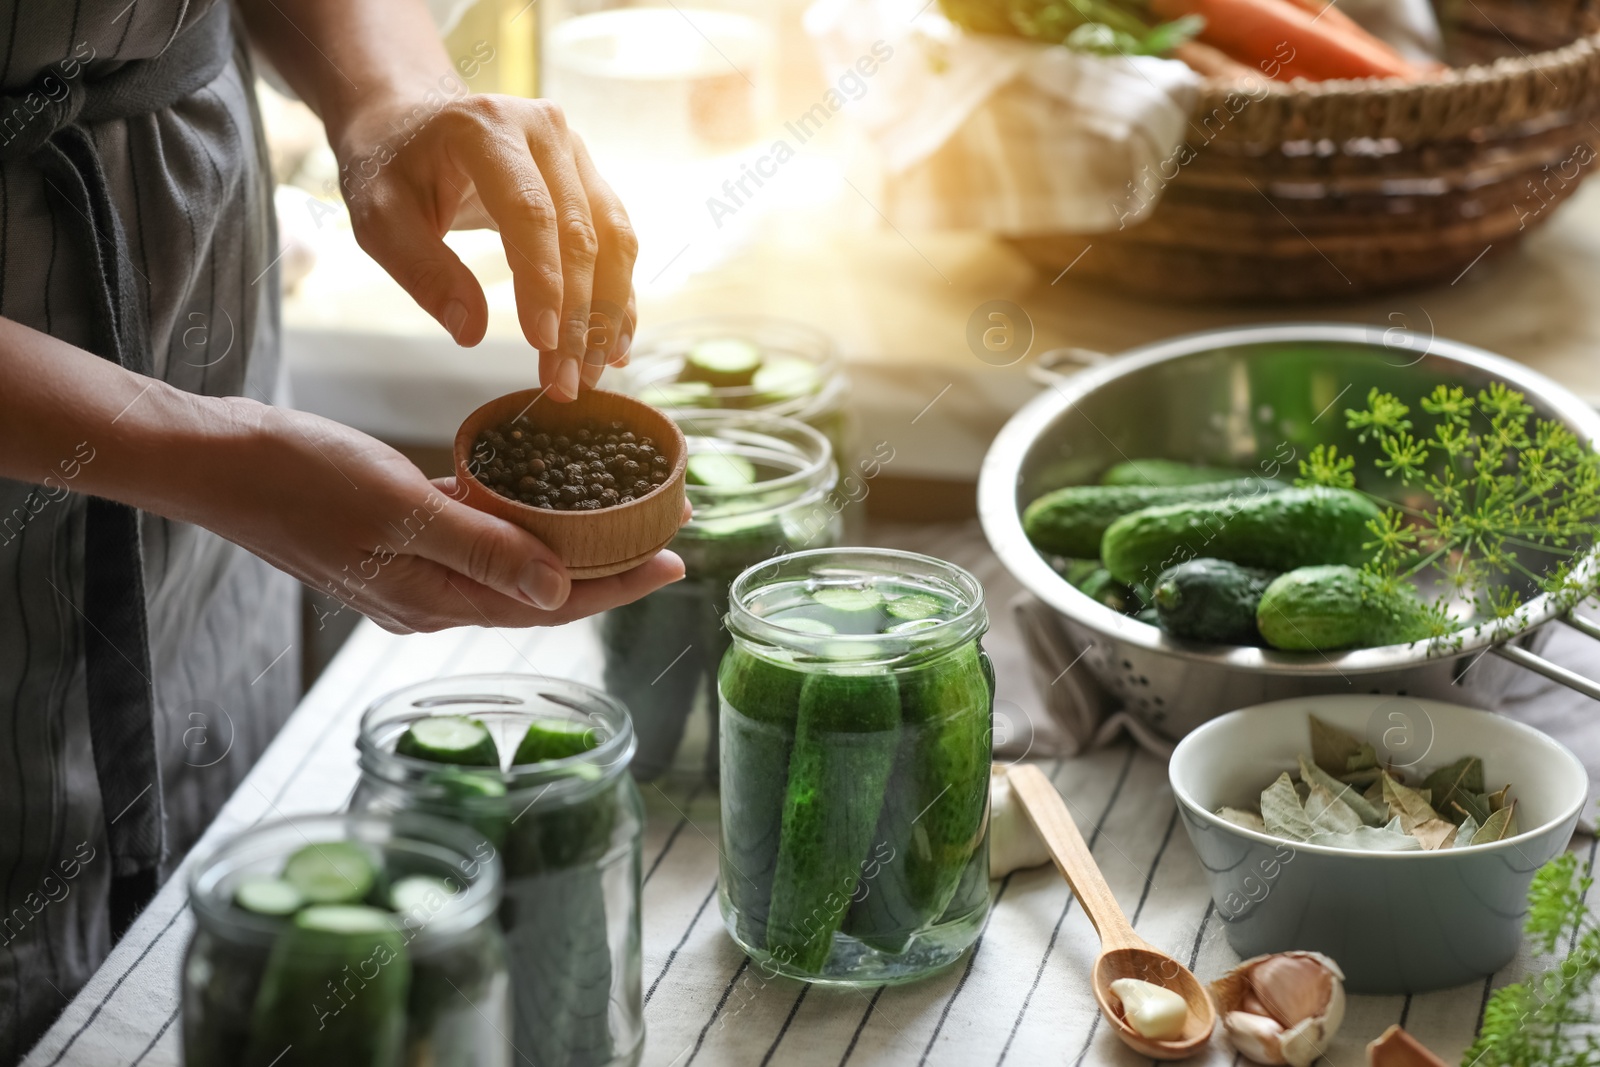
592	544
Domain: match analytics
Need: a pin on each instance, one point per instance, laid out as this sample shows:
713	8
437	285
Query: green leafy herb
1491	492
1548	1019
1105	27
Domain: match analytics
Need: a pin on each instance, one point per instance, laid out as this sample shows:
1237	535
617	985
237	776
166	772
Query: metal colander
1256	398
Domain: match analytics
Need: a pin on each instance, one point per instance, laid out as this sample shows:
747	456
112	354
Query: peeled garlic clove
1153	1011
1013	842
1282	1009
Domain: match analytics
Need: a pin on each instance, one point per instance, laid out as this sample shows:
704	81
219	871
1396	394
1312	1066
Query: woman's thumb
497	554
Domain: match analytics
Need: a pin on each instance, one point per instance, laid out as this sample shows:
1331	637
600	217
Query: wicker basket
1343	188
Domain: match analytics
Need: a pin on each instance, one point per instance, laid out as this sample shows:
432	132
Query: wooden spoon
1123	953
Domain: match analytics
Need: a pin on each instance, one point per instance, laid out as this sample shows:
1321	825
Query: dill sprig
1549	1019
1488	491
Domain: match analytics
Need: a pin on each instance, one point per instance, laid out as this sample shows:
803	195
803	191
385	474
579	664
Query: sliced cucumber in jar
809	626
269	896
449	739
331	872
845	598
420	894
720	470
914	606
681	395
722	362
553	739
784	378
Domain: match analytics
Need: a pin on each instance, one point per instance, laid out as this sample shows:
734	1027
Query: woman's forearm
341	57
71	420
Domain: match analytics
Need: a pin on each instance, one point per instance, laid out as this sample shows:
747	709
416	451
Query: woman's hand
411	171
350	516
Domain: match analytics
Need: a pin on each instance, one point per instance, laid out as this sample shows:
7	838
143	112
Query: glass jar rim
819	474
561	779
970	622
443	840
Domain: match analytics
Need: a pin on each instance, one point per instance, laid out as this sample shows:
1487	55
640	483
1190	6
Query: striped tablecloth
1021	996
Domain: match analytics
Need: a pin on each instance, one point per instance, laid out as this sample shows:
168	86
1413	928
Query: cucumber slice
268	896
783	378
681	395
331	872
421	894
719	469
914	606
334	990
845	598
844	749
449	739
808	626
722	362
553	739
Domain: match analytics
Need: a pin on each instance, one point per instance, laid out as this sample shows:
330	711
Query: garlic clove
1014	844
1257	1037
1283	1008
1153	1011
1292	988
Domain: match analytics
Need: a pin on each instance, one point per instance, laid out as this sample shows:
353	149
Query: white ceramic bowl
1395	921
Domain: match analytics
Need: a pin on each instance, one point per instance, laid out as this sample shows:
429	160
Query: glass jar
661	652
797	373
856	706
568	832
426	983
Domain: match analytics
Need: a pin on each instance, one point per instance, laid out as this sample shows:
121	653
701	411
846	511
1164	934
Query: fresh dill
1488	492
1548	1020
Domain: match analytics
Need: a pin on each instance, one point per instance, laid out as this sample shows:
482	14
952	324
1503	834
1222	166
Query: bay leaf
1464	832
1369	839
1369	813
1374	794
1328	813
1434	833
1497	828
1498	800
1475	805
1362	778
1407	804
1282	812
1332	749
1465	775
1240	817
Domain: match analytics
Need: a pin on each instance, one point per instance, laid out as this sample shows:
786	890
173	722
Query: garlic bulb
1282	1009
1013	842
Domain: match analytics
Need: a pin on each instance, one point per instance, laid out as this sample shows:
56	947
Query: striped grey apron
134	223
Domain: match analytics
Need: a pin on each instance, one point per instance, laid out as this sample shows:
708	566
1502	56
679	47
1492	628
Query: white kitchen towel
990	132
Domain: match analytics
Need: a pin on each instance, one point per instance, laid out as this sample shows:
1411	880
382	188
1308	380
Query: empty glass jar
568	833
399	960
856	706
760	486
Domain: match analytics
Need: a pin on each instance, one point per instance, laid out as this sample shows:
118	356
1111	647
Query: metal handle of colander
1553	671
1048	368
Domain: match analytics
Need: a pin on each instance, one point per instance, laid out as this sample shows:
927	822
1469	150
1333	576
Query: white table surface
1020	997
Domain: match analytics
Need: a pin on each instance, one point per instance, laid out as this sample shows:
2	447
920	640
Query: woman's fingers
551	145
496	554
613	270
439	597
394	229
516	196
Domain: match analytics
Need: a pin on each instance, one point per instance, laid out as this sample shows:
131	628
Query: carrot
1213	63
1283	40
